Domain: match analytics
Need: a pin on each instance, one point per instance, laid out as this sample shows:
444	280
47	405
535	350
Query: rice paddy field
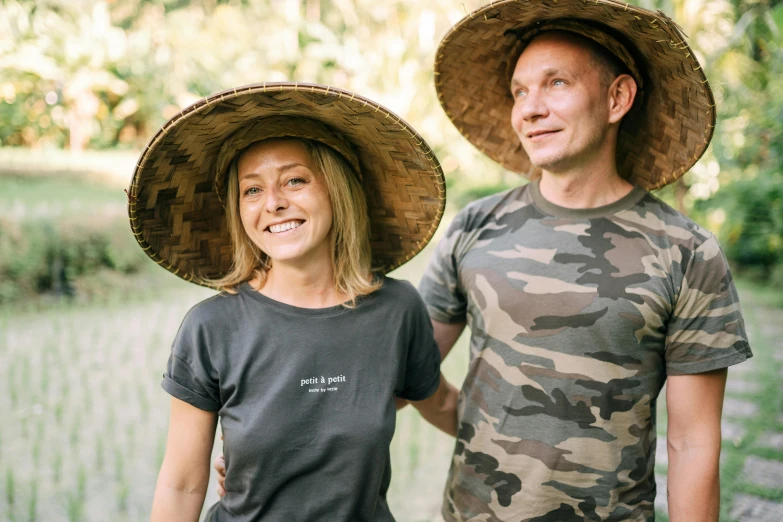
85	419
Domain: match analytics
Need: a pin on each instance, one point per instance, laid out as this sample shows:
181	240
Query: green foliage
747	77
752	228
51	255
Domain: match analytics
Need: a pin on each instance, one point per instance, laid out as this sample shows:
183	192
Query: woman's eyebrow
280	169
290	166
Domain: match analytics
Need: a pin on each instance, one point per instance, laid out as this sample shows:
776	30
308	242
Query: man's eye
520	93
558	82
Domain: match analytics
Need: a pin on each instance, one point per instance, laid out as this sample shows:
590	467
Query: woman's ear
622	93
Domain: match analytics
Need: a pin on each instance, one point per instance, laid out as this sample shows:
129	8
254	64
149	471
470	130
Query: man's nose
532	106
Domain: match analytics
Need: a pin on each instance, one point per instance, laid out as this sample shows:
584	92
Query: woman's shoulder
400	291
398	287
213	311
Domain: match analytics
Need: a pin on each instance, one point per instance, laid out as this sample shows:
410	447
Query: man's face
561	107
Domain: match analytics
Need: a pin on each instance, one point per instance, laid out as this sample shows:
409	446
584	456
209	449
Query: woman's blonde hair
350	232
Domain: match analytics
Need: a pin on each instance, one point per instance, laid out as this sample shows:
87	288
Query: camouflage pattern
576	318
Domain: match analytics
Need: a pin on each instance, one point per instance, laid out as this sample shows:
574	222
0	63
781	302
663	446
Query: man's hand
694	404
220	466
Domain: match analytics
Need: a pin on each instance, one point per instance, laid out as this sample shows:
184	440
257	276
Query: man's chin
545	162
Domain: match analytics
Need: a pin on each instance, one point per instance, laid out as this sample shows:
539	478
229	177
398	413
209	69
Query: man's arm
184	475
440	409
694	404
446	335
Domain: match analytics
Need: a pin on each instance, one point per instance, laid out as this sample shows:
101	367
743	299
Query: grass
44	196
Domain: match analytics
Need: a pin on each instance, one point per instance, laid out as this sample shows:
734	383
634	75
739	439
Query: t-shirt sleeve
706	331
190	376
422	364
440	286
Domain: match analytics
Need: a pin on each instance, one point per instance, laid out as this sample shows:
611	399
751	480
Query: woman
303	352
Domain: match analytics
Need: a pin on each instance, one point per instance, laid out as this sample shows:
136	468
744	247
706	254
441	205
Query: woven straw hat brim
177	217
658	142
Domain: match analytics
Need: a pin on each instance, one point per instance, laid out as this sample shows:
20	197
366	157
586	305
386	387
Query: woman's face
283	204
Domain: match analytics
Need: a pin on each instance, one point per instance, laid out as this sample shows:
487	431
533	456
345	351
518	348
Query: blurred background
86	319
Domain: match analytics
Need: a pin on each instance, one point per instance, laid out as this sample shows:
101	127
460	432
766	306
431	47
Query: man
583	292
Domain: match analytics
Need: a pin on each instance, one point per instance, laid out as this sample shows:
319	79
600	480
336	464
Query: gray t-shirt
305	398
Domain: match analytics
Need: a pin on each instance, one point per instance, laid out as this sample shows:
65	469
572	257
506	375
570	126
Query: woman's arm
184	475
440	409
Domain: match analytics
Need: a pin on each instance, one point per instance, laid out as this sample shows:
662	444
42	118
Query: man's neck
584	188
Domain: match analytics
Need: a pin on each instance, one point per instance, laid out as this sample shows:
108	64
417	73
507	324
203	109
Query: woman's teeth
282	227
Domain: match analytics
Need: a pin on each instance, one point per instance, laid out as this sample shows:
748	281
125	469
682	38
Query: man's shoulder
478	213
513	196
654	216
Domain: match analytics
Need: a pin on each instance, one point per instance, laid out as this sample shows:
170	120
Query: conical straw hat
174	203
659	140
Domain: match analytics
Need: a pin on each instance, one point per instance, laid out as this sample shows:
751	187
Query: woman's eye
296	181
519	93
252	191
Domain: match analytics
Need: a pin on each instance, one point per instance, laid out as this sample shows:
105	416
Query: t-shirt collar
546	206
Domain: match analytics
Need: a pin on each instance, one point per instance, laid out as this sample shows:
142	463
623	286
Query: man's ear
622	93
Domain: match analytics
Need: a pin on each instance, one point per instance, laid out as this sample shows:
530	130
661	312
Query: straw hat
665	133
174	201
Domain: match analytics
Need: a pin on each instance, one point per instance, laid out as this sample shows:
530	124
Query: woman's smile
285	226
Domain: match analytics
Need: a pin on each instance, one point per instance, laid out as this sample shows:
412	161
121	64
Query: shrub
752	232
51	255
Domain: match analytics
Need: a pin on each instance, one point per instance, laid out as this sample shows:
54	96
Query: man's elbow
694	443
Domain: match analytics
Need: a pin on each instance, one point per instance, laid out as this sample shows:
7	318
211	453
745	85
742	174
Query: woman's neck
302	287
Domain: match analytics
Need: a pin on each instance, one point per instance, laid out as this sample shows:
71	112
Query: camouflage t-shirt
577	316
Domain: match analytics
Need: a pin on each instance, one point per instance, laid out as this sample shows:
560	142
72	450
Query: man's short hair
609	65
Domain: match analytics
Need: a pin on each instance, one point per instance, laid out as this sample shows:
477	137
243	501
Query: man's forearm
693	482
440	410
